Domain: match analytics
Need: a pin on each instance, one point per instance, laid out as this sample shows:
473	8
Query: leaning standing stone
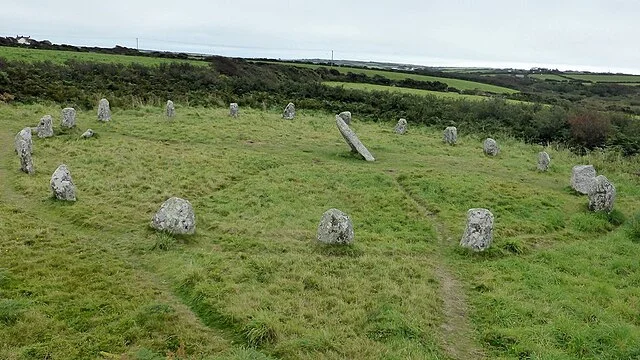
45	127
450	135
104	112
490	147
68	118
23	139
602	195
61	184
583	178
401	127
353	141
175	216
335	228
87	134
289	112
544	160
346	116
478	235
233	110
170	109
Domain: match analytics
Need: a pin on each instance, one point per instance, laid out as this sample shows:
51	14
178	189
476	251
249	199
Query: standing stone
583	178
289	112
233	110
450	135
23	139
87	134
335	228
62	185
104	112
544	160
490	147
478	235
175	216
170	109
26	161
353	141
68	118
401	127
45	127
602	195
346	116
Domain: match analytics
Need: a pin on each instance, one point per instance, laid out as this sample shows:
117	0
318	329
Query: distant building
23	40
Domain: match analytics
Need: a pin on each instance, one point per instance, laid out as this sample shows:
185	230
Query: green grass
607	78
90	280
548	77
458	84
58	56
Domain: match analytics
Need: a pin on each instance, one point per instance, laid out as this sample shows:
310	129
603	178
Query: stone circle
450	135
335	228
544	160
62	185
233	110
45	127
582	178
478	235
68	118
289	112
104	112
23	139
346	116
170	109
175	216
602	195
352	140
401	127
490	147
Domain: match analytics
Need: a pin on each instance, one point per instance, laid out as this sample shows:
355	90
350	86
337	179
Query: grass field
609	78
57	56
90	280
458	84
548	77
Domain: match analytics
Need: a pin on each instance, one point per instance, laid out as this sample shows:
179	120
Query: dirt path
456	333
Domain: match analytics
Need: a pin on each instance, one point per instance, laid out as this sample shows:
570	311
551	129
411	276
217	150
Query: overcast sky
594	35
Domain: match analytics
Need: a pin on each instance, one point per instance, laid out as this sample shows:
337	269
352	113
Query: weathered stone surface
170	109
68	118
233	110
175	216
26	161
602	195
478	235
289	112
583	178
45	127
346	116
61	184
335	228
450	135
490	147
544	160
87	134
353	141
23	139
104	112
401	127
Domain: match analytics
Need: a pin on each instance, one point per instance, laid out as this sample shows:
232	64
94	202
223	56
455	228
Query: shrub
589	129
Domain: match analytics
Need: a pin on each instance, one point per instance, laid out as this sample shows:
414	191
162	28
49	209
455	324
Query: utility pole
137	44
332	58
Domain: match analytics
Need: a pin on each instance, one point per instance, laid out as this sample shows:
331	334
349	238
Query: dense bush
589	129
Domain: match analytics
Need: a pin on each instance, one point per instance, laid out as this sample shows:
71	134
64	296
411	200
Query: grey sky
569	34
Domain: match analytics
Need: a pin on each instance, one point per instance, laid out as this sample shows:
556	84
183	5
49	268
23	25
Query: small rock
233	110
544	160
450	135
170	109
24	136
478	235
602	195
68	118
335	228
490	147
346	117
289	112
175	216
352	140
45	127
583	178
401	127
87	134
104	112
62	185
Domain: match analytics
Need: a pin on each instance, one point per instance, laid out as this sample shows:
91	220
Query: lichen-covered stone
346	116
582	178
352	140
401	127
45	127
233	110
170	109
62	185
104	112
544	160
26	161
24	139
175	216
68	118
602	195
478	235
450	135
289	112
335	228
490	147
87	134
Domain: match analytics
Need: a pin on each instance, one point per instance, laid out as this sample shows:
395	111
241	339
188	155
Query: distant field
548	77
612	78
58	56
458	84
